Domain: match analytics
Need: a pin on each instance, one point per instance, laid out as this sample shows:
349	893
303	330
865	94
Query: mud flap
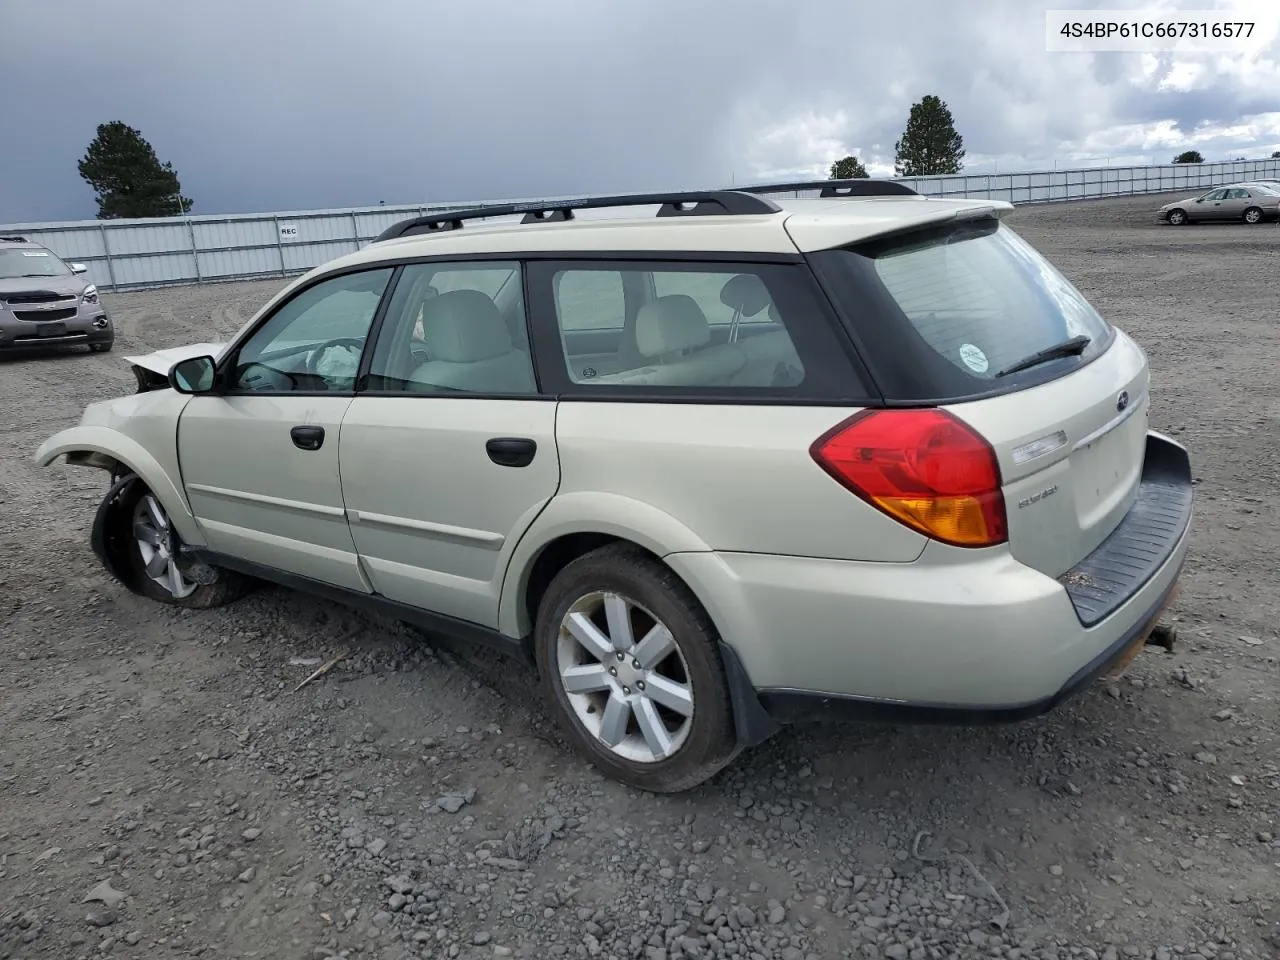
752	723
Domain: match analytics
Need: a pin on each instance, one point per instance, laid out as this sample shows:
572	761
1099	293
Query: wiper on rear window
1067	348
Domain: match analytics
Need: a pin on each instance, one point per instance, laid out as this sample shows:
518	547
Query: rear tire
149	546
1178	218
630	665
1253	215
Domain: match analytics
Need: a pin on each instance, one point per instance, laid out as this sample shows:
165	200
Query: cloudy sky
298	104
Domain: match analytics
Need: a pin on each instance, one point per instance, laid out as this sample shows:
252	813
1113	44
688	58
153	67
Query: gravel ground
410	804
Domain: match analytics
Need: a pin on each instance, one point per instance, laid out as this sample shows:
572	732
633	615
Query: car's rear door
1234	202
259	458
448	451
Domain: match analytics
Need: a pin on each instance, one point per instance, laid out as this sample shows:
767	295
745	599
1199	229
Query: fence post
279	246
106	251
195	251
355	231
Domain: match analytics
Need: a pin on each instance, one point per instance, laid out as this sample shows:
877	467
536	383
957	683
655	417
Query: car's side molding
580	512
104	448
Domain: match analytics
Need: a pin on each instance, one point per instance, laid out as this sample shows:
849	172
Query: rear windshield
945	312
30	262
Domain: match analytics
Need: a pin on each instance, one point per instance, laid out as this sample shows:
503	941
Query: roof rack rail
14	239
697	203
858	187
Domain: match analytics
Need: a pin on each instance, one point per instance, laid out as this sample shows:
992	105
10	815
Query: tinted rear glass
944	311
985	301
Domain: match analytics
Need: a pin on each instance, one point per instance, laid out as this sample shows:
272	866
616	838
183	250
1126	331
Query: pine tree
930	145
128	179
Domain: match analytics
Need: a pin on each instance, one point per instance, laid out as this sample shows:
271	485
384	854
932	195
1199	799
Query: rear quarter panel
697	478
740	477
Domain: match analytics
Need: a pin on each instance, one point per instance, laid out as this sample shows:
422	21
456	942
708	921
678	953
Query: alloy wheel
155	539
625	677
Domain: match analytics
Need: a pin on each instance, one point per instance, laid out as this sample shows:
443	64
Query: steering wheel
350	346
264	377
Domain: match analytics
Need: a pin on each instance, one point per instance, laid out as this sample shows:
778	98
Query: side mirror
195	375
78	268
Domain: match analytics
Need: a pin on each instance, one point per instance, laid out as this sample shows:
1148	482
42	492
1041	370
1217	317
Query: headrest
670	323
747	293
464	326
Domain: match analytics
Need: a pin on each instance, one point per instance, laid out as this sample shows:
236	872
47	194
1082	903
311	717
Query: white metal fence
132	254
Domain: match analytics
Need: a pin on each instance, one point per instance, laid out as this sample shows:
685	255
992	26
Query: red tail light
924	468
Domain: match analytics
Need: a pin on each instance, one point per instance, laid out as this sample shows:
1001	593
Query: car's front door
448	451
259	457
1211	207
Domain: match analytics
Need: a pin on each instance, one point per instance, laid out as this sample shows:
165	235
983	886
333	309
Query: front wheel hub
155	540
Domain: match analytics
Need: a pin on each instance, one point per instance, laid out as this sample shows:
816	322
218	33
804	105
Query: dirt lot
166	754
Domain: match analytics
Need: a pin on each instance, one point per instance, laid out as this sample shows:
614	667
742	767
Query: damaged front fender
111	450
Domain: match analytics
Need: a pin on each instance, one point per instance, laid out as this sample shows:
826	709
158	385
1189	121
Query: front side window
455	328
17	262
702	329
315	340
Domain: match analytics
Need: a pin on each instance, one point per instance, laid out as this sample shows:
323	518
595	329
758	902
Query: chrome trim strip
424	526
1111	424
265	500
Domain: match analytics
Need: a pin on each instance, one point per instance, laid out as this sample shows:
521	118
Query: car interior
468	340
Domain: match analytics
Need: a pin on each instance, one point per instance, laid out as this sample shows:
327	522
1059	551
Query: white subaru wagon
709	463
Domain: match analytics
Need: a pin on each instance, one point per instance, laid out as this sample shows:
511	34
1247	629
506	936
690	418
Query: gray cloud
314	103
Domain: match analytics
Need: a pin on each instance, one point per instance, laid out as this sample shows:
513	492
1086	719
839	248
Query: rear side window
946	312
684	328
591	300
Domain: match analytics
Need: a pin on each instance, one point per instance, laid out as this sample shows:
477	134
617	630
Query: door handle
511	451
307	438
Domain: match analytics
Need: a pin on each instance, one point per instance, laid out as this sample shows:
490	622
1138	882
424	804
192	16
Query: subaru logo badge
1122	401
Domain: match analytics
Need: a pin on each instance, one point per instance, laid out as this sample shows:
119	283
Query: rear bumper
955	637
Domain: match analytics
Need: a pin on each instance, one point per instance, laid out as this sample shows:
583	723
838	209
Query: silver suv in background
47	302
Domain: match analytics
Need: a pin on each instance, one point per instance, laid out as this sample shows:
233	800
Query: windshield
30	262
1271	190
983	298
